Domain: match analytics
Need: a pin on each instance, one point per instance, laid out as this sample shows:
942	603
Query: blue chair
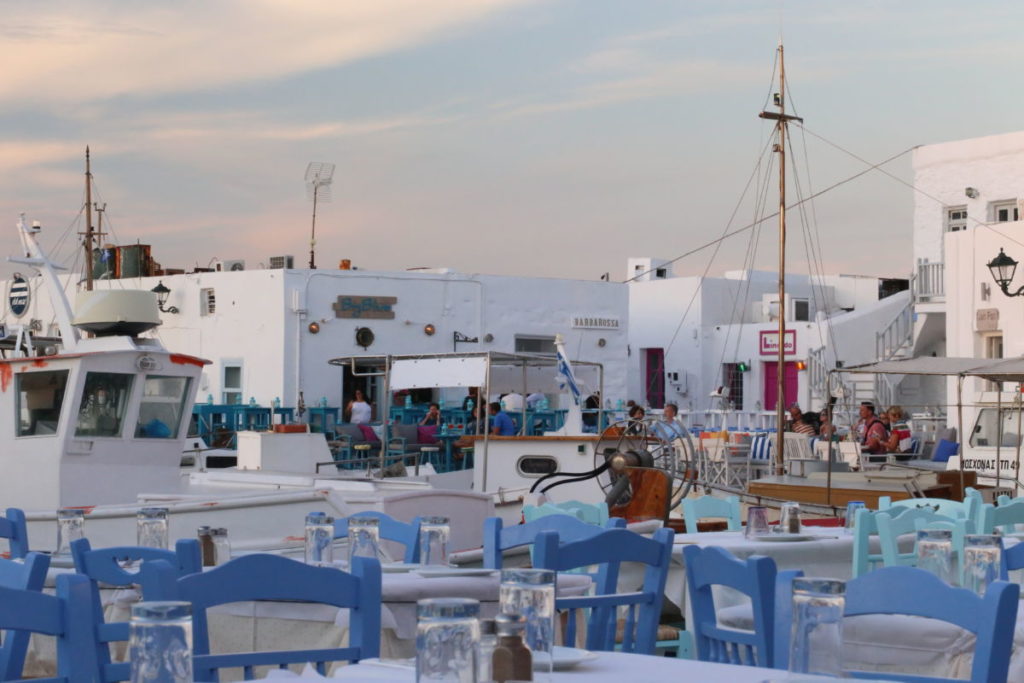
948	508
891	528
609	549
15	530
755	578
390	530
498	538
67	616
272	577
1013	558
29	575
695	509
1005	517
906	590
783	616
118	567
973	501
585	512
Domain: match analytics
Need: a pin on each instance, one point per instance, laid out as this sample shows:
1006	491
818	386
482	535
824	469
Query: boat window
104	401
985	433
40	398
163	400
536	465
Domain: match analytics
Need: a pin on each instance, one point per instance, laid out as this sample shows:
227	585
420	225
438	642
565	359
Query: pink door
654	377
771	384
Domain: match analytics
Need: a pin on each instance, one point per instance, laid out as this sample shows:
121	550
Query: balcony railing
930	282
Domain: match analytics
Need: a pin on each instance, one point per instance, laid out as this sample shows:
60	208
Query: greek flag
565	377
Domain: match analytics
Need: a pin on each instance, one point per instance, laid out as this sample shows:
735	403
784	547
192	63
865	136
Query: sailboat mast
87	242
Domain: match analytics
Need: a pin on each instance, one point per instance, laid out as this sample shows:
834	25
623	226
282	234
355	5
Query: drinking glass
319	539
363	538
160	642
757	521
982	561
789	518
70	527
816	642
851	515
151	528
531	593
434	533
447	637
935	553
485	649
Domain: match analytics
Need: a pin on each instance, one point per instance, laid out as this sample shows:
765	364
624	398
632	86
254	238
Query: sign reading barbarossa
18	295
355	306
594	322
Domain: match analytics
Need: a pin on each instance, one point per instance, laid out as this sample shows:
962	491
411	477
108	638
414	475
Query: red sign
770	343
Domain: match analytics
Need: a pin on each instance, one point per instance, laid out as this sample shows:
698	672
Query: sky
547	138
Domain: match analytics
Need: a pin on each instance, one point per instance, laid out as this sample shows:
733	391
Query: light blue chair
499	538
585	512
14	528
118	567
696	509
609	549
1005	517
891	528
948	508
754	577
30	575
866	526
67	616
973	502
1013	559
783	616
390	530
272	577
1006	500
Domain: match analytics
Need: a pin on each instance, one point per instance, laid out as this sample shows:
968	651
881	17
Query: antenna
318	188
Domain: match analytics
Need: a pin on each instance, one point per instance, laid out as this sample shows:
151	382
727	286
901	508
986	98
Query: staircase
895	342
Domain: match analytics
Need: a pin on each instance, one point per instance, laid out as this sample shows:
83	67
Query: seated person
668	427
899	440
871	433
433	416
501	423
636	420
796	422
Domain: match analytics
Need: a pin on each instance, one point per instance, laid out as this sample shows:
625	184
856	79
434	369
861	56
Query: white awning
995	369
437	373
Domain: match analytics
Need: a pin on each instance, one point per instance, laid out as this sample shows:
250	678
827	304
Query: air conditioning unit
282	262
231	264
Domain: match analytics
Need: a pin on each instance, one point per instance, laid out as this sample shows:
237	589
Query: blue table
252	417
324	419
447	439
287	414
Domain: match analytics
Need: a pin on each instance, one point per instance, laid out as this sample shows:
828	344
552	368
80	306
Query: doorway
654	377
790	381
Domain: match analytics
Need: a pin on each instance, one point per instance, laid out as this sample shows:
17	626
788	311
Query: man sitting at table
501	424
870	431
668	428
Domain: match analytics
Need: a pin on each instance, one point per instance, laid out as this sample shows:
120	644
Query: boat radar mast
782	120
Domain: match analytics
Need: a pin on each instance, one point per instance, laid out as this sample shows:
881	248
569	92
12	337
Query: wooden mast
87	242
781	124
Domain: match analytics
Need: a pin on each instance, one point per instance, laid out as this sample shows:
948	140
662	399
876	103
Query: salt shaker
206	546
512	660
221	546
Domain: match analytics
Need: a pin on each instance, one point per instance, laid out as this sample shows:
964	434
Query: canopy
995	369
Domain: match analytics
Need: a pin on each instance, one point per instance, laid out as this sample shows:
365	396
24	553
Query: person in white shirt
513	402
359	410
533	400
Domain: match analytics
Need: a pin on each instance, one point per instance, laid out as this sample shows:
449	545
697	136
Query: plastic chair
111	566
15	530
755	578
695	509
609	549
29	575
498	538
272	577
390	530
67	616
891	528
1005	517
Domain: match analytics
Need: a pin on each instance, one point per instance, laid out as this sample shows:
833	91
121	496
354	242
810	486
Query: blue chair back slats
696	509
906	590
14	528
30	575
67	616
585	512
499	538
953	509
390	530
272	577
755	578
1005	517
891	528
119	567
608	550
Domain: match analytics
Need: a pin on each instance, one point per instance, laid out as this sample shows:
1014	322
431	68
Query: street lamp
1002	268
162	293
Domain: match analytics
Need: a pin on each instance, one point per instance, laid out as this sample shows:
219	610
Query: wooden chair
866	526
390	530
891	528
272	577
14	528
755	578
696	509
498	538
973	501
953	509
1013	558
119	567
608	549
1005	517
29	575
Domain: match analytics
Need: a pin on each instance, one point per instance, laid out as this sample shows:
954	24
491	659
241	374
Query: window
801	310
993	349
232	384
526	344
986	427
1005	211
163	400
661	273
956	218
40	398
732	377
104	401
536	465
207	301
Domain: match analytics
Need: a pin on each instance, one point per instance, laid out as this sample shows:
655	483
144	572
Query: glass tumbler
757	521
447	638
982	561
221	546
363	538
816	640
151	528
160	642
935	553
434	533
789	518
70	527
850	520
319	539
531	593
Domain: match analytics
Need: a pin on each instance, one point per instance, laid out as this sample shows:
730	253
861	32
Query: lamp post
162	292
1003	268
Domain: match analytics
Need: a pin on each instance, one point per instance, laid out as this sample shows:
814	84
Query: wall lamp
162	293
1003	268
